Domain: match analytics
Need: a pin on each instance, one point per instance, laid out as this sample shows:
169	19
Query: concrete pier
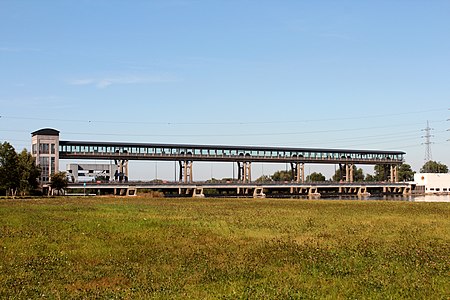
292	189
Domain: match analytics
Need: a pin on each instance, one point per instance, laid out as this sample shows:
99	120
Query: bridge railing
209	157
206	152
235	183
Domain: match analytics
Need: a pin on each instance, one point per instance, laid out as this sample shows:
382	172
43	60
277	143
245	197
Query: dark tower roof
45	131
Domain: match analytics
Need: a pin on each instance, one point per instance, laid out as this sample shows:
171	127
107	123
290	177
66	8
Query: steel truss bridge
121	153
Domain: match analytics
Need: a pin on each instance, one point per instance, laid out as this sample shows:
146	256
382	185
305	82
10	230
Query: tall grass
223	248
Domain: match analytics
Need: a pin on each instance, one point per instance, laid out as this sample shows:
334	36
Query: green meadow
141	248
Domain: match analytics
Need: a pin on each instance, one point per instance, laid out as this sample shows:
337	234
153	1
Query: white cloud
82	81
108	81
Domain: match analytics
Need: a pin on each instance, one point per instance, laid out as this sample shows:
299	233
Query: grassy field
223	248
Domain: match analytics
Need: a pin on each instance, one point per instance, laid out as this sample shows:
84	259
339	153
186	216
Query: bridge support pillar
244	171
394	173
313	193
185	171
298	172
362	191
198	193
346	172
125	169
259	193
349	172
407	190
122	170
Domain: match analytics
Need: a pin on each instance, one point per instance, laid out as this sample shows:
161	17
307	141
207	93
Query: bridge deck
173	152
259	190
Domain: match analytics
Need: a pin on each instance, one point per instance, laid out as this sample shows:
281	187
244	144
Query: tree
315	177
381	173
358	174
213	180
405	173
263	178
58	181
370	178
282	176
434	167
28	172
9	172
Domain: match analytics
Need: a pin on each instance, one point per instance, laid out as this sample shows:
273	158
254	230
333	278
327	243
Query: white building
432	183
90	172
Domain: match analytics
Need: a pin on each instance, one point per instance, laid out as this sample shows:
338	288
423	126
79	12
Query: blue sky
324	74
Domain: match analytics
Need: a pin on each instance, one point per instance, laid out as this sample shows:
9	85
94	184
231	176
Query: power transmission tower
428	142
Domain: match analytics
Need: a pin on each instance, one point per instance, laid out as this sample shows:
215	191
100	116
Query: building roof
46	131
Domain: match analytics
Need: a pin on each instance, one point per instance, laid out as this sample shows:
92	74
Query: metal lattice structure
179	152
427	143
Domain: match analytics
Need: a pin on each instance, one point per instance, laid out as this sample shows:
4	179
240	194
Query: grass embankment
210	248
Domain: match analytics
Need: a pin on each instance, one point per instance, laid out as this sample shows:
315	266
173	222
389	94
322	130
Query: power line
448	129
224	135
90	121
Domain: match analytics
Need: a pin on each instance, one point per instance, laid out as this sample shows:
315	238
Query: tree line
405	173
18	171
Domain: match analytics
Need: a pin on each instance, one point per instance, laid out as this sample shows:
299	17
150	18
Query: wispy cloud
50	101
303	27
336	36
18	49
122	80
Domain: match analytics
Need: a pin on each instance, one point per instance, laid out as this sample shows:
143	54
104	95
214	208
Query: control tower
44	145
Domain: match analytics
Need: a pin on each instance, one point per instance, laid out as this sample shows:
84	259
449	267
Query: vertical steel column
186	175
122	168
342	177
394	173
247	171
180	177
386	175
189	173
298	172
294	171
125	168
349	172
301	172
240	168
244	171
